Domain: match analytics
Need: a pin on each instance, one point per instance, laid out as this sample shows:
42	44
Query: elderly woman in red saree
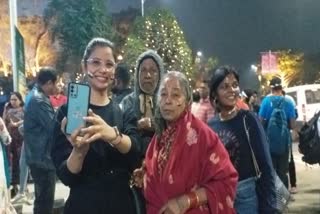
187	169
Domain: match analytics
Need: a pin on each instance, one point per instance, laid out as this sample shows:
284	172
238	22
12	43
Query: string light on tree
161	32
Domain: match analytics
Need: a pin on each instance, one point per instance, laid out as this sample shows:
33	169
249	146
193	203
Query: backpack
277	130
309	141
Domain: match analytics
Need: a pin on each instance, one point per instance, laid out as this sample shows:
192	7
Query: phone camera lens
71	90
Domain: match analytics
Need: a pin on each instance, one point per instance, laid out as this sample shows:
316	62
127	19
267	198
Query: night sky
237	31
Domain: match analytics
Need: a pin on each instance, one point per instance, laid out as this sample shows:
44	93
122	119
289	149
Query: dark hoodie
132	102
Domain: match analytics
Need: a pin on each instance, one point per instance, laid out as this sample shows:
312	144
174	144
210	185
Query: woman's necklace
231	114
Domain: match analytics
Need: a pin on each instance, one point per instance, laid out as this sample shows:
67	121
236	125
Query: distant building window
293	95
312	96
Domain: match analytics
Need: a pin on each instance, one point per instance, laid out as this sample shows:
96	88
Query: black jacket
38	123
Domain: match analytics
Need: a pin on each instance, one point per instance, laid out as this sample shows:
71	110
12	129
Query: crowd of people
201	151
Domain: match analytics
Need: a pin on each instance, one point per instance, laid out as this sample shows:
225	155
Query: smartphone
77	106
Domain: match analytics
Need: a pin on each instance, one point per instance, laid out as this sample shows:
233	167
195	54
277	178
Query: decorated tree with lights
290	65
161	32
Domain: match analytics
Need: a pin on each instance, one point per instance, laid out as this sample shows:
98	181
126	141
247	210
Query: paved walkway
307	200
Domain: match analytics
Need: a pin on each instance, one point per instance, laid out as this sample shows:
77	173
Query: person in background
195	101
241	104
140	102
204	111
292	166
59	98
4	98
13	116
121	87
5	139
96	162
208	184
21	197
250	98
38	121
269	103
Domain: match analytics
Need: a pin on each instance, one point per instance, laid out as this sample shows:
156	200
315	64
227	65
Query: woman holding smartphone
96	161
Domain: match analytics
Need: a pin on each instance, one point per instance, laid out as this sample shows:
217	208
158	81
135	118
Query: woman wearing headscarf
243	136
187	169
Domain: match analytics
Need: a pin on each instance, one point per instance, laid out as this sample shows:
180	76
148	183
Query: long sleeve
135	154
61	149
220	178
266	183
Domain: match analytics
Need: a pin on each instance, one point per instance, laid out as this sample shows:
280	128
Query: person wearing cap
269	103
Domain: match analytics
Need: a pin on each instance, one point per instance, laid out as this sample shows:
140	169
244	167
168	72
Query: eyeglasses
98	64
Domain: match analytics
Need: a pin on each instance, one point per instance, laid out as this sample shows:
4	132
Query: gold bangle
189	202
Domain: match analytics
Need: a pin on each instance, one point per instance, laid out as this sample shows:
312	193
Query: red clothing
203	110
58	100
196	159
242	105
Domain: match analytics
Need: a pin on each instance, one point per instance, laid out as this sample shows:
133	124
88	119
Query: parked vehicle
307	98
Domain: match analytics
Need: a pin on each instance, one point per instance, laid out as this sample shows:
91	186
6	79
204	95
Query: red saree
197	159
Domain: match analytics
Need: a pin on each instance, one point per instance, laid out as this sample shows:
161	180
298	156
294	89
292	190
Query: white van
307	98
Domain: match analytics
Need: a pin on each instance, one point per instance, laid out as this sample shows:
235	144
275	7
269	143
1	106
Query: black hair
249	93
122	73
45	75
196	96
30	85
217	77
93	44
19	96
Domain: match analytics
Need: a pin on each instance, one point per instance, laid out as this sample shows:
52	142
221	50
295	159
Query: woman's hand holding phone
98	129
77	141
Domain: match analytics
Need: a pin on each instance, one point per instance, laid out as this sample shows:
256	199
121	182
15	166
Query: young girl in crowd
243	136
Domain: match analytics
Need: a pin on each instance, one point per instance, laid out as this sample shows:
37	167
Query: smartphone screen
78	105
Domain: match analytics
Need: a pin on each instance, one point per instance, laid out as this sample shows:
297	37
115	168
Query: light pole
13	25
142	8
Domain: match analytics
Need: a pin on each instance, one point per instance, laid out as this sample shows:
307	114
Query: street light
254	68
142	7
199	54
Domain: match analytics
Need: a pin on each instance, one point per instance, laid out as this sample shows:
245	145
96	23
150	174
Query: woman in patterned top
13	117
187	169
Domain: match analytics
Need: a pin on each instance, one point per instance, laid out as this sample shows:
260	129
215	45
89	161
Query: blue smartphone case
78	105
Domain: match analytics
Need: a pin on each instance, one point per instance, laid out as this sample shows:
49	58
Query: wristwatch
118	138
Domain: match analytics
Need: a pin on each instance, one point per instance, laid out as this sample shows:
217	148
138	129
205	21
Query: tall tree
74	24
160	31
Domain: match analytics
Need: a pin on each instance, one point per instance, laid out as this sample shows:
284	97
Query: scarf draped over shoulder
188	156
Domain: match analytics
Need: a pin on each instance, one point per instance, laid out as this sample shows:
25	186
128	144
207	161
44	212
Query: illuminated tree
289	66
160	31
